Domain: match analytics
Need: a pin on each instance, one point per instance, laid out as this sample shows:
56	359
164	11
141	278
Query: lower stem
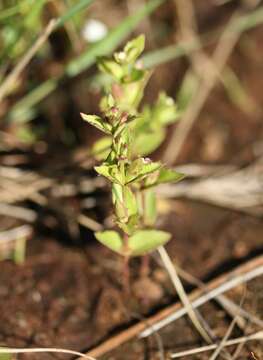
126	275
126	268
145	266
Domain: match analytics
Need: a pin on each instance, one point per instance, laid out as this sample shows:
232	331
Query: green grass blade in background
166	54
32	20
105	46
23	110
112	40
73	11
8	12
24	28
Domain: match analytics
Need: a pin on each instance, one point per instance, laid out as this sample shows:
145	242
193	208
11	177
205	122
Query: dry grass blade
89	223
18	212
44	350
257	336
13	191
15	233
181	293
13	76
200	60
226	44
224	340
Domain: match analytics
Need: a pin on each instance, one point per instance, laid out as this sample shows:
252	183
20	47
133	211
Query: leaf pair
131	51
141	243
136	171
122	67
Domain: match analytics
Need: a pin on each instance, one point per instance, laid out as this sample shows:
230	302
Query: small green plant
130	135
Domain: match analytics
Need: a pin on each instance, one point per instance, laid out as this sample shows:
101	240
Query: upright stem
145	266
126	268
145	263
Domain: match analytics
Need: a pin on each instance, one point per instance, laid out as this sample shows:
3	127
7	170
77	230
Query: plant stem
126	276
126	268
145	266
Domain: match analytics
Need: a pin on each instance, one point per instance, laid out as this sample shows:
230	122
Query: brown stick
137	329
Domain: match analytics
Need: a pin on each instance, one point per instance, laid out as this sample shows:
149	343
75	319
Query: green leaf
109	66
169	175
111	172
111	239
164	176
97	122
150	210
129	200
110	101
101	148
125	207
135	75
117	194
131	51
146	142
140	168
165	111
117	199
145	241
132	95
